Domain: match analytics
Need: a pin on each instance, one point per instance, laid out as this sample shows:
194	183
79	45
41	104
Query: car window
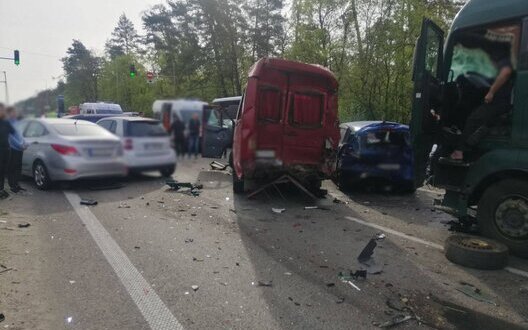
144	129
79	129
385	139
113	126
35	129
105	124
472	60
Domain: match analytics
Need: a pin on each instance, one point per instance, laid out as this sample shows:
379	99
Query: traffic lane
221	196
65	272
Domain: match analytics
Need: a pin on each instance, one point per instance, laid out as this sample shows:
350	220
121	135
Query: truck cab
451	78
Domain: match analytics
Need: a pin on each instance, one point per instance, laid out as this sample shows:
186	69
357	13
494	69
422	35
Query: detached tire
476	252
502	214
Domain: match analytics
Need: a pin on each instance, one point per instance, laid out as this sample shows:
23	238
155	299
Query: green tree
124	40
265	27
81	69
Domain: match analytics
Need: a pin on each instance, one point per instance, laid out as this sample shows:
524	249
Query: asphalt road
149	258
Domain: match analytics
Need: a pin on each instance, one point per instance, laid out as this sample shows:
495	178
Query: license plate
389	167
99	152
153	146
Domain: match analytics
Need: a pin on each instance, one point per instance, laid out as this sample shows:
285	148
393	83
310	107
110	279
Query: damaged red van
286	124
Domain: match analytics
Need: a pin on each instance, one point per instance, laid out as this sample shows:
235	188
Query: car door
33	135
427	75
217	132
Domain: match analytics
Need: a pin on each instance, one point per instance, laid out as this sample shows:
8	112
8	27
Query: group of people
193	140
12	146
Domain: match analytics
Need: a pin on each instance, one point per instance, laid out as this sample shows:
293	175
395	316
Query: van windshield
472	60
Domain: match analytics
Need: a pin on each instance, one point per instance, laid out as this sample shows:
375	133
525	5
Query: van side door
427	75
217	132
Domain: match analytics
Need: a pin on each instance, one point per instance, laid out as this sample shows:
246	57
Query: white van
100	108
166	110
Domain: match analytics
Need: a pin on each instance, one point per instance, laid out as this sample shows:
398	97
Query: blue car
375	151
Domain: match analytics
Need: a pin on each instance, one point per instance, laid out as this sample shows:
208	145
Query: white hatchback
146	144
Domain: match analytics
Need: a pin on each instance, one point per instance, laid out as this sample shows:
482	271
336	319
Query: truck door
427	66
217	132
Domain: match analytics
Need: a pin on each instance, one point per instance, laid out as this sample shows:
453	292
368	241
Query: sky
44	29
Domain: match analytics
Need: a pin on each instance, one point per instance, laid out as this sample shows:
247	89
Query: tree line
204	48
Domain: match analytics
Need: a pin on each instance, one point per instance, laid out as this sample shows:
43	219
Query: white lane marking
157	315
397	233
422	241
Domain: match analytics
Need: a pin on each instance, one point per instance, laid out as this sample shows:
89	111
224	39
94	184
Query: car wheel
167	171
502	214
238	184
40	176
476	252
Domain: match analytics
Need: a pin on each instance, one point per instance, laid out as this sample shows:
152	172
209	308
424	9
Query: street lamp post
6	89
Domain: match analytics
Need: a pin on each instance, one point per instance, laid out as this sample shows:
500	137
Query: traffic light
17	57
133	72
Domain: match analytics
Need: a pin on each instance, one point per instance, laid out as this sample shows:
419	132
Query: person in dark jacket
5	130
177	129
194	135
17	145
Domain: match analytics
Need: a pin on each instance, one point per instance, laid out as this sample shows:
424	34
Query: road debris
69	319
330	285
475	293
194	287
398	319
372	267
288	274
340	300
88	202
367	251
262	283
347	278
2	317
215	165
189	240
197	259
338	201
5	270
278	211
123	205
193	189
24	225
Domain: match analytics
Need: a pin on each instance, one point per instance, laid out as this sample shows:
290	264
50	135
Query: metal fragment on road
475	293
398	319
24	225
278	211
267	284
194	287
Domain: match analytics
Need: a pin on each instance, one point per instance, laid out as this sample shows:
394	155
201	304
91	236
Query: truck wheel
476	252
502	214
238	184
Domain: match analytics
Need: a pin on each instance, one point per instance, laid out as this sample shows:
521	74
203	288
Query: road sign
150	76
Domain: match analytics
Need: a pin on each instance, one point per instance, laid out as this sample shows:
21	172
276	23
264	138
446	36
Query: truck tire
502	214
238	184
476	252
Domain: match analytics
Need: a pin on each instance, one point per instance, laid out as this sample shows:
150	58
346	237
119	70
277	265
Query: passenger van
100	108
286	123
167	110
451	77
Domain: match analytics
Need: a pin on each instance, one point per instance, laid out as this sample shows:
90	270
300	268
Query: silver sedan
67	149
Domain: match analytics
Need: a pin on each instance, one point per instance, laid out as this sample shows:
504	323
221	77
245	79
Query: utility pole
6	89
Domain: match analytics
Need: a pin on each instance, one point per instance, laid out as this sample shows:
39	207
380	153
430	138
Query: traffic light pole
6	90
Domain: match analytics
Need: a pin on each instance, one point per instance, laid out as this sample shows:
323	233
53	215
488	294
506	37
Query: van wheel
502	214
40	176
238	184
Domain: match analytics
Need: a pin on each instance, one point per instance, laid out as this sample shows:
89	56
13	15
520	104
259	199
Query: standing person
5	130
17	145
194	135
177	129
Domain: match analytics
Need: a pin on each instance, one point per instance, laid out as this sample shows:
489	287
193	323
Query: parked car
94	118
287	123
375	150
100	108
146	144
66	150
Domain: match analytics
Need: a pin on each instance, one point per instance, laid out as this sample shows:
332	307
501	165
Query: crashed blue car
375	151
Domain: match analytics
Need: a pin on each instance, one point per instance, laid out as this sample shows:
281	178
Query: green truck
451	79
